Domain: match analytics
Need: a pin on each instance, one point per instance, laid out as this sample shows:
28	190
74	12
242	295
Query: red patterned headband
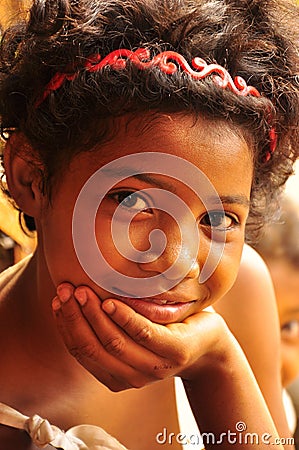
118	59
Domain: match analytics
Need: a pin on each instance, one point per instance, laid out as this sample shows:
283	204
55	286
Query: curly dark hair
255	39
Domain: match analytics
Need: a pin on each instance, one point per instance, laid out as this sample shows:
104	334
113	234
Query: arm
250	312
123	350
226	400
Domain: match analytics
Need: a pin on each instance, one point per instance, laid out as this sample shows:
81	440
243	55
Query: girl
122	119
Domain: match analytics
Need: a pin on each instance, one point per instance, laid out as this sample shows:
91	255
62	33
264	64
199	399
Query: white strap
42	433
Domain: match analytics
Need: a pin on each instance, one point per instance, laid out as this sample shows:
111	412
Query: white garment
90	437
43	434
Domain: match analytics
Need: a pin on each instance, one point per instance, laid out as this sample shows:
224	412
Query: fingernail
109	307
81	296
64	293
56	304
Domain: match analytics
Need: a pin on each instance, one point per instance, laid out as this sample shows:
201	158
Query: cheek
119	246
61	258
58	245
226	272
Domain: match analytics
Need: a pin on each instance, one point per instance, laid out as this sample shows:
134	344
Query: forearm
227	403
130	351
244	309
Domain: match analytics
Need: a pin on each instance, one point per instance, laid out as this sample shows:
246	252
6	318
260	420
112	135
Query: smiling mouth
169	307
161	300
164	299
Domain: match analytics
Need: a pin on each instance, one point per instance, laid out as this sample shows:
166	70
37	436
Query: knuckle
71	317
115	346
144	334
182	358
129	322
82	352
140	335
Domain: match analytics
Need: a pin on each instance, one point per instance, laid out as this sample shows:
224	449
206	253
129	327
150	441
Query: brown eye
132	201
219	220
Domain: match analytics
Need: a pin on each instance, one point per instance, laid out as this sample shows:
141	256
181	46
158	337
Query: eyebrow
128	172
239	199
150	179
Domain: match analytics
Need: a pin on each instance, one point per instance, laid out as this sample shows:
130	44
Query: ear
23	174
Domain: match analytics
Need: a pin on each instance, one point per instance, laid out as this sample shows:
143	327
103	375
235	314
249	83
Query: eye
290	330
132	201
219	220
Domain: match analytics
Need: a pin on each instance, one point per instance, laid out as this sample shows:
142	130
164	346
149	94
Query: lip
162	309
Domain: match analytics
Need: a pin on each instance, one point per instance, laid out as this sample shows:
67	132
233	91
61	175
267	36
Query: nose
180	256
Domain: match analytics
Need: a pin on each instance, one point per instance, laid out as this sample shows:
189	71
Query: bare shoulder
9	277
250	311
252	296
253	274
249	308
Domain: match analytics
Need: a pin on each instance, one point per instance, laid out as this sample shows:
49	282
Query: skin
244	308
115	343
286	284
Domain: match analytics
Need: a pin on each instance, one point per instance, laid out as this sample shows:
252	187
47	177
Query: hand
123	349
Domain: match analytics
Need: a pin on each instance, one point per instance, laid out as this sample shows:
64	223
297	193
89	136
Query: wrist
222	354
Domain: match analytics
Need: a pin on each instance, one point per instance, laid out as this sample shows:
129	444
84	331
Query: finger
113	338
83	344
163	340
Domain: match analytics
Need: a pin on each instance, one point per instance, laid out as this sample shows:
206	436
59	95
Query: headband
164	61
118	60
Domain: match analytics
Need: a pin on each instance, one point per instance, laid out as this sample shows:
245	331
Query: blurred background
10	9
15	244
279	248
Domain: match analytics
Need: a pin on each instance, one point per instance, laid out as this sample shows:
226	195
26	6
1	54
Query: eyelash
121	196
220	214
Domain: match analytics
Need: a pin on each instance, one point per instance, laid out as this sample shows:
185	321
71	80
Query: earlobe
23	175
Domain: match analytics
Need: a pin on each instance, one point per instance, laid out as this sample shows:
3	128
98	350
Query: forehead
218	150
201	141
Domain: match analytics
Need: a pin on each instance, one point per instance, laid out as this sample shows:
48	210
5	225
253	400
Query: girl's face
214	149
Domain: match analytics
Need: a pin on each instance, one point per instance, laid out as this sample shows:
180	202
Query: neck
32	297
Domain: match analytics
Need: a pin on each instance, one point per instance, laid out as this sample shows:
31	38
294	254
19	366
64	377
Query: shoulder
250	311
10	276
253	273
252	295
13	272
